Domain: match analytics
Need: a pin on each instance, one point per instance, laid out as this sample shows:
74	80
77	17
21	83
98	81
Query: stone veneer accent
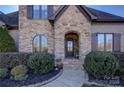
72	20
29	28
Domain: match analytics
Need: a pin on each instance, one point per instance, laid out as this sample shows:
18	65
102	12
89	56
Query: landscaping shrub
120	71
19	72
10	60
23	57
20	77
41	63
120	57
101	64
7	43
3	73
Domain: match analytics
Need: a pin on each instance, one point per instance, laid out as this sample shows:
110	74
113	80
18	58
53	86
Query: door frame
66	48
69	37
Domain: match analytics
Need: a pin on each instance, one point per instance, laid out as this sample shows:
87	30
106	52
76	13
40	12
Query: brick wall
29	28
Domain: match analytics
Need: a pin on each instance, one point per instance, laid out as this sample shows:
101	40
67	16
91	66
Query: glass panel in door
69	48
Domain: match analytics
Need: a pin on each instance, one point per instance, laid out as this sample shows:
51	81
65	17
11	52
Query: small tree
7	43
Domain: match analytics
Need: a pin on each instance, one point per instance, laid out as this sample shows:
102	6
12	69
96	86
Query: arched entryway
72	45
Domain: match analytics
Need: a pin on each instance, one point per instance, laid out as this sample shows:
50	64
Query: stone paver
69	78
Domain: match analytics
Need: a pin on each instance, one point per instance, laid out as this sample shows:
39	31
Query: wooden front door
71	45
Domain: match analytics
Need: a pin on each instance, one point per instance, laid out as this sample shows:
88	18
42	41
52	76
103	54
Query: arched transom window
40	43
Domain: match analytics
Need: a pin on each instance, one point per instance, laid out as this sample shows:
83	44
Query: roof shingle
95	15
104	16
12	20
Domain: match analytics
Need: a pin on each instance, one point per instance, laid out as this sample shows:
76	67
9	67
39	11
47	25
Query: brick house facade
71	32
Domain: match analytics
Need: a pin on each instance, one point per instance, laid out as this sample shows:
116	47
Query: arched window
40	43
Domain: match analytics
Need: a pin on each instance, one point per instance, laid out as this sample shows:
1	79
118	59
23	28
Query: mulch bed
122	82
33	78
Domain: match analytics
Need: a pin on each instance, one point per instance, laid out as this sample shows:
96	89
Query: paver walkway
69	78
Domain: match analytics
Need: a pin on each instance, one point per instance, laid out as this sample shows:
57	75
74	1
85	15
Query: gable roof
93	14
59	12
103	16
10	19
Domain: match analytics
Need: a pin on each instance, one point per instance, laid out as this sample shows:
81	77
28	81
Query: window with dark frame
104	42
40	12
36	11
40	43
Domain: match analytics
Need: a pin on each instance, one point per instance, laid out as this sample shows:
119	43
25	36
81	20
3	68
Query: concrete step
69	64
72	67
71	61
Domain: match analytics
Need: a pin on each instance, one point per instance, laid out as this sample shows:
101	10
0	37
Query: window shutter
117	42
30	11
93	41
50	10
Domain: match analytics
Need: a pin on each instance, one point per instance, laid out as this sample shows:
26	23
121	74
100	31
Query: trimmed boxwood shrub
3	73
120	71
23	57
7	43
41	63
19	72
120	57
101	64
